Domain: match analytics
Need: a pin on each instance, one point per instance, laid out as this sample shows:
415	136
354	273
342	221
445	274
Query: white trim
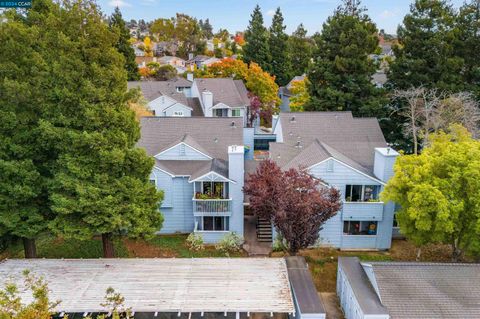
352	168
178	103
220	106
162	170
172	147
225	179
173	101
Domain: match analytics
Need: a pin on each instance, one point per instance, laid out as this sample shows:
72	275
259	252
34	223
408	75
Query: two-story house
199	165
351	155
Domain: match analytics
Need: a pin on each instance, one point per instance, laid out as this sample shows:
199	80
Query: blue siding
179	218
332	232
164	182
176	153
248	140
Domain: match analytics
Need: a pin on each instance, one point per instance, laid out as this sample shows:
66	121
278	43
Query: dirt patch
403	250
143	249
332	305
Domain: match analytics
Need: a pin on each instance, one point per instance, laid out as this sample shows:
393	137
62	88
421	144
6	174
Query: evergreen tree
279	54
117	24
340	76
256	37
468	25
426	55
207	29
301	50
65	98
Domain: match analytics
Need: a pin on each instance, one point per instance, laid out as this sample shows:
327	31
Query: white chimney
236	172
207	101
190	77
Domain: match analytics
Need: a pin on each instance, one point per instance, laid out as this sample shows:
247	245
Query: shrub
230	243
279	243
195	242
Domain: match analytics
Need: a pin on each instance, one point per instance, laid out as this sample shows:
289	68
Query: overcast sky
235	14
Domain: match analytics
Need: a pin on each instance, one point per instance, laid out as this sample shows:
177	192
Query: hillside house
407	290
199	165
351	155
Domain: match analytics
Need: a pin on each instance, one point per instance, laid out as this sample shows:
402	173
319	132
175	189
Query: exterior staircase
264	230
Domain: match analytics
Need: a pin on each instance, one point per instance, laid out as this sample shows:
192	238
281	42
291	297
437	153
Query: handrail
212	205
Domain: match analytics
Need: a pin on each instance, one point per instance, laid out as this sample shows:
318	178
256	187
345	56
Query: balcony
363	211
212	207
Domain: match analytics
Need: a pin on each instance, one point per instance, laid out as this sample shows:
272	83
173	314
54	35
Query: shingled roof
428	290
154	89
311	137
211	135
225	90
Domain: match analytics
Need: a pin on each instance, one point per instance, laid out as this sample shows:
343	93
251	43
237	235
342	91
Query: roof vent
233	124
292	120
336	116
290	133
215	139
298	144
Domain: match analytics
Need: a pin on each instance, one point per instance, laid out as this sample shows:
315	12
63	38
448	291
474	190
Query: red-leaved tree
296	203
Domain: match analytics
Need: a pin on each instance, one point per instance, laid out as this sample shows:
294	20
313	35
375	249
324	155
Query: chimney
190	56
207	102
190	77
384	160
236	171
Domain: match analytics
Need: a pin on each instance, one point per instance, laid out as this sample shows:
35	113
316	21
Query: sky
234	15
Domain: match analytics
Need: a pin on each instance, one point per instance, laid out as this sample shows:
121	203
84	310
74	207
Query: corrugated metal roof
163	285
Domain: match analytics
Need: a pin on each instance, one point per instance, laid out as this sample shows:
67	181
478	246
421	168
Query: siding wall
179	217
332	232
178	108
248	140
175	153
348	301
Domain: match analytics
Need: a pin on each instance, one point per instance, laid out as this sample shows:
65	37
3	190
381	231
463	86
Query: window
362	193
219	112
214	223
368	228
153	182
235	113
330	166
179	89
178	113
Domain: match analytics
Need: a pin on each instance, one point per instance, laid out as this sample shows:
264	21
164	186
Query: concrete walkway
252	246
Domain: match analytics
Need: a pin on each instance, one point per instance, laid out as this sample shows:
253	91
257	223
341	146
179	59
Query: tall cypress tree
256	37
279	54
340	75
301	50
118	25
468	25
426	55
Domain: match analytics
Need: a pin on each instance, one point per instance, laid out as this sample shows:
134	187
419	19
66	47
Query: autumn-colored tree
254	110
148	46
438	193
296	203
300	96
257	81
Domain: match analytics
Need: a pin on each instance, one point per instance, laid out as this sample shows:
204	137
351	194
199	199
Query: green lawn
159	246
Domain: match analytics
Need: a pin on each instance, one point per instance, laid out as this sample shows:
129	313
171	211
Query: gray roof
310	137
153	89
429	290
286	90
212	135
194	103
225	90
303	288
194	169
363	290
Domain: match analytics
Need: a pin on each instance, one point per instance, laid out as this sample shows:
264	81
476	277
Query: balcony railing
220	207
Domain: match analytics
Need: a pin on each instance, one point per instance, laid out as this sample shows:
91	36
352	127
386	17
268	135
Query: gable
177	109
182	151
334	172
162	102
